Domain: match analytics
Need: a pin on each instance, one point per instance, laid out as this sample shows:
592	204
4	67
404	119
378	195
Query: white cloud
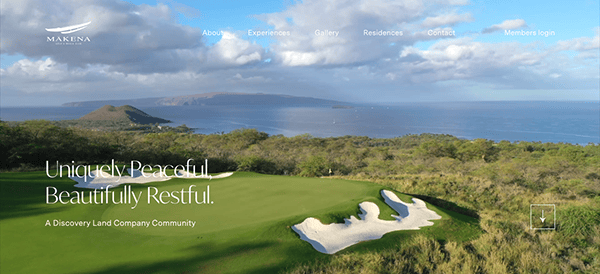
128	38
233	50
141	51
350	17
46	82
580	43
251	79
507	65
457	2
506	25
447	20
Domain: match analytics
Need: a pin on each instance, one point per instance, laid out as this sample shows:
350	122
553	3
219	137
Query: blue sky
567	18
156	48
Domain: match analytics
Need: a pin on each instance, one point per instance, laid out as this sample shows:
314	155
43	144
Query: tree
477	149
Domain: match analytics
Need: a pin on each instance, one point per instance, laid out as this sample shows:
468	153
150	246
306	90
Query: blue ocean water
568	122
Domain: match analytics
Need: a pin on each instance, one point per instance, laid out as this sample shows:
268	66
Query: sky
319	49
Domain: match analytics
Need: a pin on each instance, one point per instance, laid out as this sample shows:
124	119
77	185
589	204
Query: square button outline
531	217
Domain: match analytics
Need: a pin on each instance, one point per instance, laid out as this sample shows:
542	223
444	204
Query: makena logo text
68	40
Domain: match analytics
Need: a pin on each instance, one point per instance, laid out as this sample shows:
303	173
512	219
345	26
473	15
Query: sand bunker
334	237
186	175
222	175
102	180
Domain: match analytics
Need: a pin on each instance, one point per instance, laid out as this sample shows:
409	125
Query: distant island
214	99
124	113
123	118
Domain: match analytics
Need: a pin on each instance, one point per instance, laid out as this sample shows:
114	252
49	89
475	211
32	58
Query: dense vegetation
107	125
494	181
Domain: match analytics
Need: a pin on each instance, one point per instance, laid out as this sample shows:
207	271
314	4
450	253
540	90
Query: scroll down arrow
542	218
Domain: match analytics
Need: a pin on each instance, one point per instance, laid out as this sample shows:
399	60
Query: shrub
314	166
256	164
437	149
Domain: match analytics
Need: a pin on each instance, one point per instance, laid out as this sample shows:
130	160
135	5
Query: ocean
567	122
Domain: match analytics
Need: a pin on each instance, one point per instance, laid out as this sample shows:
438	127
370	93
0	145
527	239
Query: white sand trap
334	237
222	175
186	174
105	179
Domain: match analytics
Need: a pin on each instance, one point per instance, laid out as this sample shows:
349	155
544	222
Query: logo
65	40
70	29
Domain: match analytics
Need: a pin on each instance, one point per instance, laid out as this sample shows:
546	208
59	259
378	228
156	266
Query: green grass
246	230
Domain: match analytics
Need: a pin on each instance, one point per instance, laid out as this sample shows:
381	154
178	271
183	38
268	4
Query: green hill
124	113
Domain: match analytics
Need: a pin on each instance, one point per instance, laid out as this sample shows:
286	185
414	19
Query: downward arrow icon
542	218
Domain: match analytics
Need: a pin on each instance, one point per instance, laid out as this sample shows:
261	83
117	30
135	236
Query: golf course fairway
246	229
